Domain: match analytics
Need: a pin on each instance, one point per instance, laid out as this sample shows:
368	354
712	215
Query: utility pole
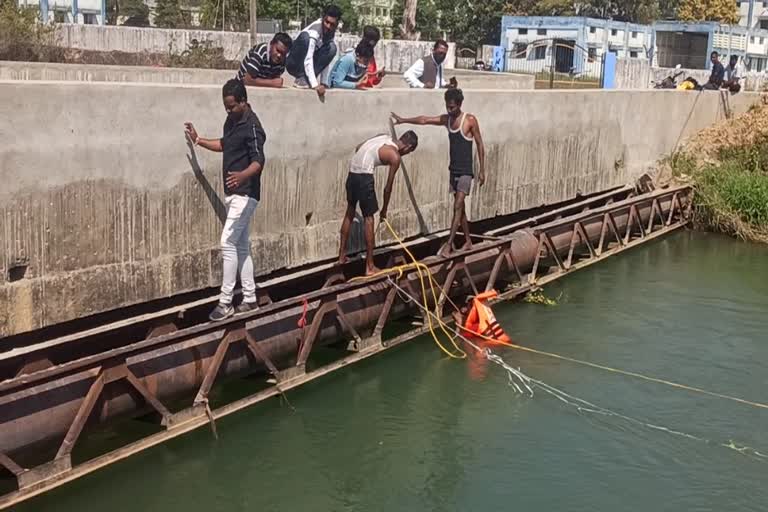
254	30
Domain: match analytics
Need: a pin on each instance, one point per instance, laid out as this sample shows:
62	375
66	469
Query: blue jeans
322	58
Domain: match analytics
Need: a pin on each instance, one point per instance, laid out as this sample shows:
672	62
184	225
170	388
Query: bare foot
467	246
343	260
445	251
371	271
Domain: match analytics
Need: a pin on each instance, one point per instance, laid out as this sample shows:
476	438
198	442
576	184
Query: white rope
518	380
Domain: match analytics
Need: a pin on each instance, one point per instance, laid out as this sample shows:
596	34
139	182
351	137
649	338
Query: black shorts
361	188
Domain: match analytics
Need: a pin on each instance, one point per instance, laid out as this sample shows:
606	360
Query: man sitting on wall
427	72
242	145
313	51
264	65
717	75
733	75
350	71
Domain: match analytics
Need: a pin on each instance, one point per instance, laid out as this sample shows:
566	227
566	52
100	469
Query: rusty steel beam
270	340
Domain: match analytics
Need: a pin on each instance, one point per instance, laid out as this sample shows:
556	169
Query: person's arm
309	64
263	82
194	138
255	154
393	159
413	75
421	120
475	131
341	70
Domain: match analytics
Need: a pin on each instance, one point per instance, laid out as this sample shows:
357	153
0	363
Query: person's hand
361	86
320	90
481	177
382	73
189	130
234	180
429	85
396	119
382	216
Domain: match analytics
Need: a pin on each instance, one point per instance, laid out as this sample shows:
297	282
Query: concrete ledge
144	74
109	205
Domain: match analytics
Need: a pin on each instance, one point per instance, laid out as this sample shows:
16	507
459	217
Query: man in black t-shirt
717	75
243	147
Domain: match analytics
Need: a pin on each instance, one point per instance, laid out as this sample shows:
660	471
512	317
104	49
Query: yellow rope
421	269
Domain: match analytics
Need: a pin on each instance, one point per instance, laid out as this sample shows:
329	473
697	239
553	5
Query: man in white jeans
243	147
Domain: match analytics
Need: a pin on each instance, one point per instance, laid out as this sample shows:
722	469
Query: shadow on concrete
423	230
210	192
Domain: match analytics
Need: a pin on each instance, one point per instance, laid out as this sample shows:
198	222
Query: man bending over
463	129
361	188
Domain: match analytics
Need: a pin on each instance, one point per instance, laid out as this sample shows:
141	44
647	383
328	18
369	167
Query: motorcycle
670	81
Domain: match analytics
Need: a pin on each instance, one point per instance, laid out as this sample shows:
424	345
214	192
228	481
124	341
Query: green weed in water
538	297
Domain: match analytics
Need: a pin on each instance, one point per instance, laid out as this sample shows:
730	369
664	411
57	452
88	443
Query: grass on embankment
728	165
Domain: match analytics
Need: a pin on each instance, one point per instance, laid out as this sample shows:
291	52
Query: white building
89	12
753	13
573	45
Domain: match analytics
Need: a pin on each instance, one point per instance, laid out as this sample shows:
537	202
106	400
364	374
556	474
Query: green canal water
412	431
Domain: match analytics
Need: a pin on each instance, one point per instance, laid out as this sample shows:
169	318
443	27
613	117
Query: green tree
136	12
168	14
723	11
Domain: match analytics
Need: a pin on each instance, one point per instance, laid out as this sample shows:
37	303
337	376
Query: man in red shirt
371	35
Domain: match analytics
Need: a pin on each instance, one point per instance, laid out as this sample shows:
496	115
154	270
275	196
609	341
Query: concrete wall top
145	74
108	205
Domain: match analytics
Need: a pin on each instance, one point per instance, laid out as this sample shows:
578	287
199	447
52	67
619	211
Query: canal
413	431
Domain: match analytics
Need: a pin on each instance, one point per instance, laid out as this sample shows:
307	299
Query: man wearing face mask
242	145
428	72
463	131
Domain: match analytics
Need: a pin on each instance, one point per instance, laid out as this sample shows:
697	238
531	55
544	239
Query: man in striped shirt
264	65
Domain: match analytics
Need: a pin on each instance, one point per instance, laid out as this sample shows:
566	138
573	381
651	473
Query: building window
520	51
592	30
634	35
522	31
60	16
542	31
762	39
591	54
752	39
633	54
540	52
90	19
614	31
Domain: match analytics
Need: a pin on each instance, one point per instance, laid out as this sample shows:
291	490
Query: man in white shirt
732	75
313	51
361	187
428	72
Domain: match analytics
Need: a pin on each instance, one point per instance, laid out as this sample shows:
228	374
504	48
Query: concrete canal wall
104	204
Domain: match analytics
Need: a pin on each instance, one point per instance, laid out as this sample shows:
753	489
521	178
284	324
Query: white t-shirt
733	73
367	157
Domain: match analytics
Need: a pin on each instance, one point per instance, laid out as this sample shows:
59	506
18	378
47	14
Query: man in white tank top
361	187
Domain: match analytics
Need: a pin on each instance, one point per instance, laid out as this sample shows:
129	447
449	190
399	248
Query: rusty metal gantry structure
54	388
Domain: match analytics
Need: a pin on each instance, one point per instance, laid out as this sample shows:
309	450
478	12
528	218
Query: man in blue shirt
350	71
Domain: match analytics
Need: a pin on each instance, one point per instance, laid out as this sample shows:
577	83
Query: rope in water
420	267
518	380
